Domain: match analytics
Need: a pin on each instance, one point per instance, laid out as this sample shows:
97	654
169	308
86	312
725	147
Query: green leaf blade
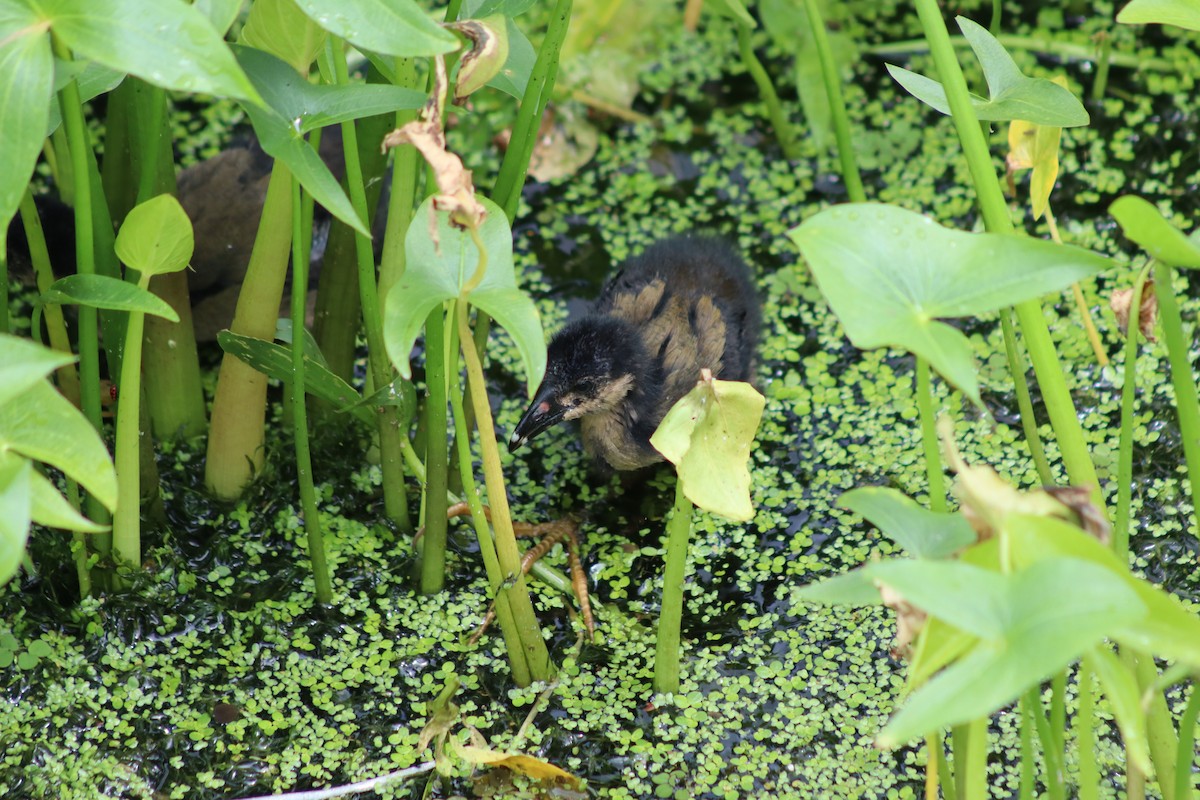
112	294
921	532
391	27
156	237
1149	229
26	91
23	363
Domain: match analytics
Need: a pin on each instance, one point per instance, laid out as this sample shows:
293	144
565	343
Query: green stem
487	546
666	649
534	647
960	739
1058	709
929	439
1186	404
783	127
1049	371
85	256
127	519
1159	728
946	775
1054	766
1120	541
304	473
837	104
56	326
433	543
392	459
1016	368
1085	735
79	546
1185	784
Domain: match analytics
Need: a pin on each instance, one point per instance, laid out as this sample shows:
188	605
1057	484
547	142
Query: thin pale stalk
1085	735
1164	743
1047	367
1085	313
666	649
1016	368
56	326
1187	406
483	533
929	440
949	792
304	474
960	736
1103	61
1058	709
779	121
540	667
1121	531
837	104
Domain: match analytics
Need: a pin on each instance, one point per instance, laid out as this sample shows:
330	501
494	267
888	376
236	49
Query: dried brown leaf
1120	300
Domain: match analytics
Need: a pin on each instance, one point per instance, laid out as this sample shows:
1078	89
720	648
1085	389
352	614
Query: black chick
685	304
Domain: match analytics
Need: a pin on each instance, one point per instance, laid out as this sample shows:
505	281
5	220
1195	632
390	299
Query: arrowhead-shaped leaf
438	270
23	363
889	274
1184	13
1012	95
707	436
156	237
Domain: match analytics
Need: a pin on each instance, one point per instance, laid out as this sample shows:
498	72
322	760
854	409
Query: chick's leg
548	534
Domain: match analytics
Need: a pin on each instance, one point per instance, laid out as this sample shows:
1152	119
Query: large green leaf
308	106
1144	224
391	27
275	361
1184	13
889	274
26	89
1012	95
438	270
707	436
23	363
16	503
220	13
43	425
921	532
280	28
167	43
1047	616
156	237
113	294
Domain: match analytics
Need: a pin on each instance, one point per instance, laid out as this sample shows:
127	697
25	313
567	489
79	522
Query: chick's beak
543	412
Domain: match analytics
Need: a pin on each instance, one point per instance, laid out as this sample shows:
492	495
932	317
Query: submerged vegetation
968	562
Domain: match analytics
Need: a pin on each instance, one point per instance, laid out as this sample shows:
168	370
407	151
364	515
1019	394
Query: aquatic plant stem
487	546
1120	542
784	131
1160	729
532	644
1103	62
56	327
391	458
304	474
127	519
975	783
929	438
932	742
837	104
1187	406
1047	367
85	264
1016	368
1027	789
666	648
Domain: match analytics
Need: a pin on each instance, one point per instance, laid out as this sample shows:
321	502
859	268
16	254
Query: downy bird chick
685	304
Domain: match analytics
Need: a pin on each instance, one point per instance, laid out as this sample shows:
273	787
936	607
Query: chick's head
592	365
